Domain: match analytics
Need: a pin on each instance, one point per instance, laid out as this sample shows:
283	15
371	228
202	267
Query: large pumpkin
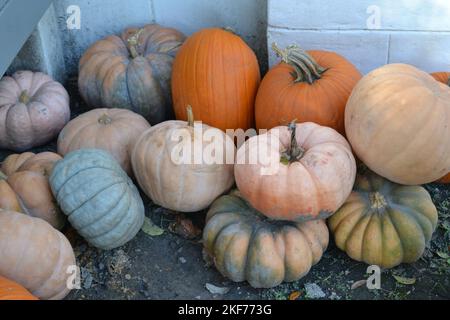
10	290
245	245
443	77
218	75
296	172
384	223
24	186
310	86
98	197
398	123
169	164
113	130
132	71
35	255
33	109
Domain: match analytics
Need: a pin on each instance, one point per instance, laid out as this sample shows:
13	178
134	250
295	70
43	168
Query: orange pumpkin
9	290
443	77
310	86
218	75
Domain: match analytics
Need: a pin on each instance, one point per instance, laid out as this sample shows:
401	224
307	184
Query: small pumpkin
113	130
443	77
398	123
99	199
246	245
300	172
24	186
132	71
310	86
218	75
9	290
35	255
384	223
169	164
33	109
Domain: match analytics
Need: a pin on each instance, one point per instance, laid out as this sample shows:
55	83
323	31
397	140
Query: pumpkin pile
271	202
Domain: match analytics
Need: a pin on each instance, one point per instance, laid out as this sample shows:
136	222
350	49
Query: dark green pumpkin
132	71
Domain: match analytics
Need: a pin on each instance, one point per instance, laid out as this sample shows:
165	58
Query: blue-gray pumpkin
99	199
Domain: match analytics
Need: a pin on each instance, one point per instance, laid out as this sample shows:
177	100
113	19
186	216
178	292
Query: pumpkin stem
133	43
190	116
294	152
448	81
24	97
306	68
377	200
104	119
230	29
3	176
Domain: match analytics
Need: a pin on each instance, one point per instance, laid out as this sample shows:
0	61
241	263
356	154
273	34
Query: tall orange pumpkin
9	290
218	75
443	77
310	86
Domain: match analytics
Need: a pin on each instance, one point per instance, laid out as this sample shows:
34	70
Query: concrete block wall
369	33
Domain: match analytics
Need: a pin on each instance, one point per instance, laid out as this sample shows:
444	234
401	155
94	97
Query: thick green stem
190	116
306	68
104	119
133	43
24	97
294	152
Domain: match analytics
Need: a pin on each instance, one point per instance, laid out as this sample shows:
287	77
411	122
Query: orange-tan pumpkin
218	75
10	290
310	86
24	186
384	223
132	71
113	130
296	172
35	255
398	123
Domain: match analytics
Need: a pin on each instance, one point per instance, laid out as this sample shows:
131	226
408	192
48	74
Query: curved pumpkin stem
190	116
133	43
306	68
295	152
24	97
104	119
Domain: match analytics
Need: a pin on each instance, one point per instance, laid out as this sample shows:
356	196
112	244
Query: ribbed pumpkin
245	245
132	71
24	186
169	164
10	290
443	77
398	123
218	75
35	255
113	130
98	197
298	172
384	223
310	86
33	109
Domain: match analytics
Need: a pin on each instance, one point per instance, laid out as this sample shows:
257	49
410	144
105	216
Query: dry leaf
358	284
216	290
151	229
403	280
294	295
185	228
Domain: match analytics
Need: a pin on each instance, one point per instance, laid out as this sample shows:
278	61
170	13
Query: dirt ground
172	267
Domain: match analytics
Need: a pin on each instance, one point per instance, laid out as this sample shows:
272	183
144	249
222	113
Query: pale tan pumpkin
33	109
398	122
308	172
24	186
35	255
176	182
113	130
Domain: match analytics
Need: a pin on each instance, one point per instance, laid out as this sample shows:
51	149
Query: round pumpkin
298	172
9	290
246	245
443	77
33	109
384	223
218	75
113	130
169	164
35	255
99	199
132	71
398	123
24	186
310	86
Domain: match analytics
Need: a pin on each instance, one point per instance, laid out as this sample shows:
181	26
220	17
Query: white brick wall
409	31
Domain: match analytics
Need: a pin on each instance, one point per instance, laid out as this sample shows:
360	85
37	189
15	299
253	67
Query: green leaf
403	280
151	229
443	255
448	261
